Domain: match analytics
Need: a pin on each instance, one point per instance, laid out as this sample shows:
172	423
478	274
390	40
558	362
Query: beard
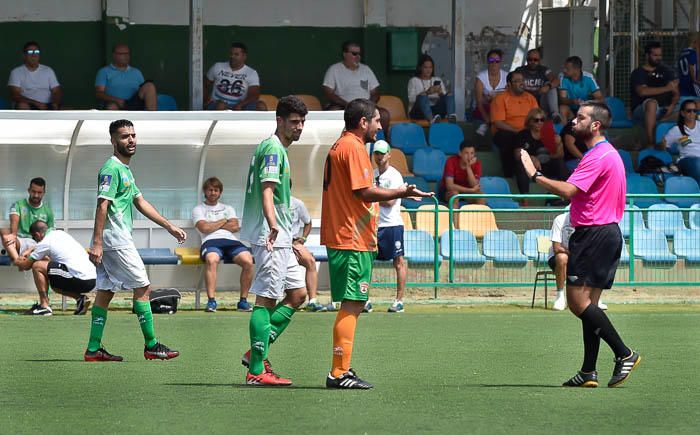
124	151
583	135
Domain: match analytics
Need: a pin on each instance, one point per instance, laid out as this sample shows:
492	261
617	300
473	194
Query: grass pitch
438	370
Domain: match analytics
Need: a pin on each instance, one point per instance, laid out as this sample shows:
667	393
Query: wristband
535	175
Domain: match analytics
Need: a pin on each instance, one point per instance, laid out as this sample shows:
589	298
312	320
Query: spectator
427	97
532	139
688	73
574	148
218	224
33	85
461	175
58	260
120	86
236	86
576	86
17	239
687	135
508	112
654	90
488	83
347	80
542	83
385	121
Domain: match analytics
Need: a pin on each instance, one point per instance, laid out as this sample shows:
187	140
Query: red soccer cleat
101	355
267	379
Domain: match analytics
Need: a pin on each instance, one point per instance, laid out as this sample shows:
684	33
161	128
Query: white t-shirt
35	85
416	85
483	76
213	213
689	144
350	84
561	231
390	179
229	85
62	248
300	216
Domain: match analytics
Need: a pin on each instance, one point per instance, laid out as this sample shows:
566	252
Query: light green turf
441	371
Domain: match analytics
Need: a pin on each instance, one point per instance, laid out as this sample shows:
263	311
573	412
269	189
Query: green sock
279	320
259	338
97	328
145	316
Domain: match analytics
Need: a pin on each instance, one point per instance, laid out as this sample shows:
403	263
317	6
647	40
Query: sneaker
101	354
81	306
368	307
560	304
483	128
315	306
602	306
347	381
583	380
245	361
38	310
332	306
623	368
159	351
266	379
211	306
436	119
396	307
452	118
243	305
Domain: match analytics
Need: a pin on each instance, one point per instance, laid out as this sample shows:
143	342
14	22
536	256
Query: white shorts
276	272
121	269
24	244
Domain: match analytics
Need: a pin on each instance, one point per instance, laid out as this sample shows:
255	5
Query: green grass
436	370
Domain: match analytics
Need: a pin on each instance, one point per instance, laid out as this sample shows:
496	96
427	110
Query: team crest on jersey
364	287
105	182
125	181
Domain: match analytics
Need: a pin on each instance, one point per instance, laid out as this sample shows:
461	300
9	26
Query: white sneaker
482	129
602	306
436	118
559	304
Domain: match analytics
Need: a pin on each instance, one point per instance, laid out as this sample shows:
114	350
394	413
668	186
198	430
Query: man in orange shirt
508	112
349	230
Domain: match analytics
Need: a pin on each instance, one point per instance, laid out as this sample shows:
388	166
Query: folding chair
546	275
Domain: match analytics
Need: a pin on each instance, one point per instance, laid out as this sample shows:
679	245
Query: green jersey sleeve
108	183
270	166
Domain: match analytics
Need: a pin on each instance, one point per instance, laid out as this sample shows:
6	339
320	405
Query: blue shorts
226	248
390	242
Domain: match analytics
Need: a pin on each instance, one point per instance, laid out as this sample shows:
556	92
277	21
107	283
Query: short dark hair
38	181
650	46
497	51
213	182
119	44
575	61
290	104
509	77
599	112
29	44
38	227
347	44
356	110
535	50
119	123
423	59
240	45
464	145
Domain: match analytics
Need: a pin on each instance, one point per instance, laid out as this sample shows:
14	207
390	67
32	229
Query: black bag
650	165
165	300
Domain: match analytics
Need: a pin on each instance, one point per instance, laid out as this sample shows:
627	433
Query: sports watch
535	175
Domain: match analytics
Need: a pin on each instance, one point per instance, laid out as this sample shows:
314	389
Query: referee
597	191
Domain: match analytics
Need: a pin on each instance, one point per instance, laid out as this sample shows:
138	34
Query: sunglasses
354	53
30	52
494	60
691	111
533	59
538	119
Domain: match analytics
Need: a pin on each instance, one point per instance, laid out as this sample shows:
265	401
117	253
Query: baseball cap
381	146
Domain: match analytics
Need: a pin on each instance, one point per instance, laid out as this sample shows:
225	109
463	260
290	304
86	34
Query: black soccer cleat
159	351
101	354
81	306
583	380
347	381
623	368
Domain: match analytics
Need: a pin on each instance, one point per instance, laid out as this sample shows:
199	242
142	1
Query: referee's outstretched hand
527	163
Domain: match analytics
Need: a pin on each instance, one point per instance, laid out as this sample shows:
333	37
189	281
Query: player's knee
561	260
212	259
297	297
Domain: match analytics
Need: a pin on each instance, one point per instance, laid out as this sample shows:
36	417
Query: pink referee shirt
600	177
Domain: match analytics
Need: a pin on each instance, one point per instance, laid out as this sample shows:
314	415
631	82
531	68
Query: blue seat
558	128
694	217
497	185
4	260
419	247
651	246
166	102
619	115
627	161
530	241
157	256
4	104
420	184
380	135
661	129
665	218
408	137
639	184
318	251
429	163
682	185
638	221
446	137
503	247
686	245
466	249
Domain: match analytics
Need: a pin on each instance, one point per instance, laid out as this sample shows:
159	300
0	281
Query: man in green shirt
119	266
267	225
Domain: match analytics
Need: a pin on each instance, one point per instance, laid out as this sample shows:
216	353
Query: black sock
601	326
591	345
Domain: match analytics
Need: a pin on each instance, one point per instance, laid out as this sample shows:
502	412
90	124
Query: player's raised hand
527	163
271	238
178	233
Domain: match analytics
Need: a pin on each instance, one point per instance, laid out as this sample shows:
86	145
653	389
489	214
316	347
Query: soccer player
349	230
597	191
119	266
267	225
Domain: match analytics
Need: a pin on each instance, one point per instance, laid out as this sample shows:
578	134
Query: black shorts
390	242
552	263
594	253
61	279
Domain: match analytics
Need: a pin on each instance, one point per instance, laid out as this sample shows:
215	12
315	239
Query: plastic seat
166	102
429	163
157	256
662	155
686	245
466	248
544	273
497	185
397	111
4	104
445	137
318	251
651	246
665	218
188	255
694	217
312	103
419	247
530	242
638	221
4	260
408	137
627	161
661	129
477	219
270	101
406	218
398	161
425	219
682	185
639	184
420	184
503	247
619	115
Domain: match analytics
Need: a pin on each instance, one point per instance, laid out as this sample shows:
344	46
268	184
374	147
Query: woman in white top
427	97
488	83
687	135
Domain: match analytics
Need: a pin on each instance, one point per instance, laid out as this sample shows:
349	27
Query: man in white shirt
390	234
347	80
232	85
218	224
33	85
60	261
